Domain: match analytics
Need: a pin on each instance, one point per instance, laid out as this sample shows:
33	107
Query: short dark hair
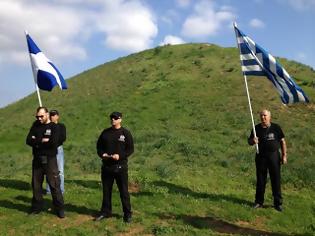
42	108
53	113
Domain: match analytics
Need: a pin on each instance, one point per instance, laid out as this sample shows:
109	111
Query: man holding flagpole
270	138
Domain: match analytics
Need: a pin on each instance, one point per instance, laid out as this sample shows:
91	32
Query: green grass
187	109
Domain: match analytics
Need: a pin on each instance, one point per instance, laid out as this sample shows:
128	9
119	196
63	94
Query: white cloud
128	25
206	20
256	23
301	4
173	40
183	3
61	27
54	28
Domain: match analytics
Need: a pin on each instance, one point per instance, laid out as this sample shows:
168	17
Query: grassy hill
192	172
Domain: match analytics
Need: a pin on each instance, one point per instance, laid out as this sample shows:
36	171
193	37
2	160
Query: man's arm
283	151
129	144
100	150
251	139
32	139
63	133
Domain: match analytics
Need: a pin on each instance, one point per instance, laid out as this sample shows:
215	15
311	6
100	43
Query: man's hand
45	140
115	157
284	159
105	156
255	140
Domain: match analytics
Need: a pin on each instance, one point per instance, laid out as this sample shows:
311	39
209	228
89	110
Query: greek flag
46	75
256	61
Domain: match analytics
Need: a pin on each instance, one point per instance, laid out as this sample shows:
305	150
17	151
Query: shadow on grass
15	206
173	188
15	184
95	184
68	206
142	194
219	226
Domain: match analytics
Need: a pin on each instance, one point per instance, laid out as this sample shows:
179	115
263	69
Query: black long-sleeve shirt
115	141
39	131
62	133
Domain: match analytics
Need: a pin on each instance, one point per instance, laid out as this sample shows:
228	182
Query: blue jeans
60	163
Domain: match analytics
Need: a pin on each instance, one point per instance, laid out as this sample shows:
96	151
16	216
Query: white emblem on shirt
48	132
121	138
271	136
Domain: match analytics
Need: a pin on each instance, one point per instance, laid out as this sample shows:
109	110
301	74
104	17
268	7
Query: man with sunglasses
270	139
114	146
43	137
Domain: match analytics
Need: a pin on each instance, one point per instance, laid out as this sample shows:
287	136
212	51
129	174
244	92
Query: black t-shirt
115	141
268	138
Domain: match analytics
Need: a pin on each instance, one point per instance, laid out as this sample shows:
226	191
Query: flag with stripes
46	74
256	61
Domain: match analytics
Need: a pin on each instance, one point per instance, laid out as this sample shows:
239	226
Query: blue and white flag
46	74
256	61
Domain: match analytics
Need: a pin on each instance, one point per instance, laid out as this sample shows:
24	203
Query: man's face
42	116
115	120
265	117
54	118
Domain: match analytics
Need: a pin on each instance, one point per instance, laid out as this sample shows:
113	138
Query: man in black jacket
270	139
43	138
114	146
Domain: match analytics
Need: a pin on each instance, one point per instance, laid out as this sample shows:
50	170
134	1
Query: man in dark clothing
270	139
43	138
54	117
114	146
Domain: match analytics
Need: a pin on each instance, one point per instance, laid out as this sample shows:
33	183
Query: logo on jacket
121	138
48	132
271	136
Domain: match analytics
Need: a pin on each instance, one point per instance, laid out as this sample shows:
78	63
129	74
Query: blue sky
80	34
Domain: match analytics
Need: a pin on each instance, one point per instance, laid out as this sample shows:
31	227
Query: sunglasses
37	117
115	117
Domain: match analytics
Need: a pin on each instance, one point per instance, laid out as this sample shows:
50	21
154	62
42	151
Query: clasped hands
114	156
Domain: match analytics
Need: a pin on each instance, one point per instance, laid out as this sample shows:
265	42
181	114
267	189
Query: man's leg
54	184
275	177
37	182
107	183
261	179
122	183
60	163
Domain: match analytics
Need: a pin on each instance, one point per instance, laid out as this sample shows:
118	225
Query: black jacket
39	131
115	141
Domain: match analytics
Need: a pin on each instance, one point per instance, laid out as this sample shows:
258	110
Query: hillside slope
187	109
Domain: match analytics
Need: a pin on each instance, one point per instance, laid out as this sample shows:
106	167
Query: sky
77	35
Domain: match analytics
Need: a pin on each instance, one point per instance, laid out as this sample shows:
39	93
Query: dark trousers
120	175
264	163
50	169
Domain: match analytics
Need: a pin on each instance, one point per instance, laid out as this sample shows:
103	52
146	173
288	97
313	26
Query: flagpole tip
25	31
